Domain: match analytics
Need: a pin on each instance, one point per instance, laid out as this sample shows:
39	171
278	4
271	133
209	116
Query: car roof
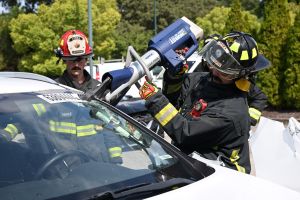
16	82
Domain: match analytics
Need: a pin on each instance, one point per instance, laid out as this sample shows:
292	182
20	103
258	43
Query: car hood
229	184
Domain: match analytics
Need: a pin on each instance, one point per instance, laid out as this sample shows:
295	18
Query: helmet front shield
218	56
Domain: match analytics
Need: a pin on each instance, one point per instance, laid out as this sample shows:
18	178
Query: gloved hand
147	90
185	67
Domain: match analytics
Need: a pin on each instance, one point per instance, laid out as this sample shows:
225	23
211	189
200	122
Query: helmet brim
261	63
72	58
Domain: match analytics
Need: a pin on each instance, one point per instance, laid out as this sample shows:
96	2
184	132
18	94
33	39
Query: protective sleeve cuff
156	102
162	110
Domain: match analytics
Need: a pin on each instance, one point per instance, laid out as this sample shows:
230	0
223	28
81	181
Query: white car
54	145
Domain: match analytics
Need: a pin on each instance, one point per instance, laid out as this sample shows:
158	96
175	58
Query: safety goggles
218	56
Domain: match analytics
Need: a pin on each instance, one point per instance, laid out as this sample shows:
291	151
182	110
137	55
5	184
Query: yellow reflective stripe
234	157
62	127
254	113
244	55
86	130
115	152
39	108
166	114
174	88
254	53
11	129
235	47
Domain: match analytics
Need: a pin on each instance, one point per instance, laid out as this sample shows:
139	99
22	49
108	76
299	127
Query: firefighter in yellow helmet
208	112
257	100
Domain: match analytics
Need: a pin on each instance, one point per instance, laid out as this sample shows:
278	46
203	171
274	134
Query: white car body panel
29	85
229	184
223	184
276	152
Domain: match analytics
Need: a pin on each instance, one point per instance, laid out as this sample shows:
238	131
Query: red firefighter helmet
73	44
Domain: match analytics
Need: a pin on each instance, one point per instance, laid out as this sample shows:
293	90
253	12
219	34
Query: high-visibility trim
244	55
12	130
86	130
62	127
174	88
234	157
166	114
254	53
235	47
115	152
72	128
39	108
254	113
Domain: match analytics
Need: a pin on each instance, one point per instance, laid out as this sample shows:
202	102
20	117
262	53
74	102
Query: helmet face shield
218	56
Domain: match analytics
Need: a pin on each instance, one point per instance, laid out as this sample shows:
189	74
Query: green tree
249	5
235	20
35	35
8	56
215	21
241	20
291	80
141	12
273	34
126	35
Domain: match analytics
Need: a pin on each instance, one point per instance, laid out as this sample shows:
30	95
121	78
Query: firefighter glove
185	67
147	90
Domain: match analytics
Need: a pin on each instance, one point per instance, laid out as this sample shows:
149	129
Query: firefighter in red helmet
74	50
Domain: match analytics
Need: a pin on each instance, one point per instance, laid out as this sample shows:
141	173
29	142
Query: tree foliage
273	37
141	12
8	56
35	35
215	21
235	20
126	35
291	81
249	5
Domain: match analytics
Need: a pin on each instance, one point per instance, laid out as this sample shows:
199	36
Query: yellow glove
147	90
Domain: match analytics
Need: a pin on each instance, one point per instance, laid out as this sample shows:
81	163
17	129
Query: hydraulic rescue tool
162	48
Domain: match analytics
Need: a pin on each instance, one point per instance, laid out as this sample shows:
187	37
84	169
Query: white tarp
276	152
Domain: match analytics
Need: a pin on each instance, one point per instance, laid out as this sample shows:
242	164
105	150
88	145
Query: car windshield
53	144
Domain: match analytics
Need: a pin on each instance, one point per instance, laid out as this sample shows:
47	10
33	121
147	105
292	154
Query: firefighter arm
204	131
257	102
114	147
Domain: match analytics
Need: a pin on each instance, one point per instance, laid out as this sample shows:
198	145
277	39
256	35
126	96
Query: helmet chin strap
243	84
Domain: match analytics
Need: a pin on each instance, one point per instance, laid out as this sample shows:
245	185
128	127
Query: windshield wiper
143	190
